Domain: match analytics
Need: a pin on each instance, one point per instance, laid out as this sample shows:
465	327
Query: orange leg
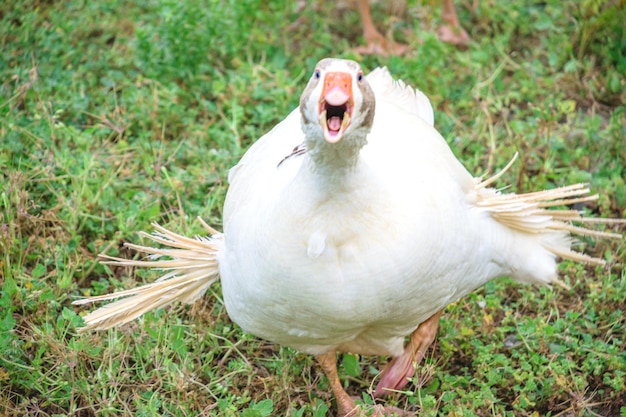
345	404
452	32
376	43
396	373
346	407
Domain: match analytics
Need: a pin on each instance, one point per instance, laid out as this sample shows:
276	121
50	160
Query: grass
117	114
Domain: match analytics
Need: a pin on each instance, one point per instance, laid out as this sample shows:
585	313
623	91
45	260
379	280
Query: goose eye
317	74
359	76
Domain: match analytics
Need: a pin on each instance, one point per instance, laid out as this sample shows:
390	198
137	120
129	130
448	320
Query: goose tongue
334	123
334	126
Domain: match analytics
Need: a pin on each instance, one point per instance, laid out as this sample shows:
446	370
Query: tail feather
193	267
528	213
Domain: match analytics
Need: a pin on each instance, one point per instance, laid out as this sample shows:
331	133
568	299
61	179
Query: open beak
336	105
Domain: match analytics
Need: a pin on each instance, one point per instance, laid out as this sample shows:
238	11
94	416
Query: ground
117	114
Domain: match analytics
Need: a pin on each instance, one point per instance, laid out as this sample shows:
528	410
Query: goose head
337	108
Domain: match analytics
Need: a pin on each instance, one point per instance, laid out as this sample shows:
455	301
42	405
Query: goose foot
346	405
376	43
399	370
452	32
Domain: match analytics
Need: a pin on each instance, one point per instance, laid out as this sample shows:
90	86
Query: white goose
350	226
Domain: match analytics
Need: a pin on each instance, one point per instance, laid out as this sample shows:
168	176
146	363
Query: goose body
350	226
355	259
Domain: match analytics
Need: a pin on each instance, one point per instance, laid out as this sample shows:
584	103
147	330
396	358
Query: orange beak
336	105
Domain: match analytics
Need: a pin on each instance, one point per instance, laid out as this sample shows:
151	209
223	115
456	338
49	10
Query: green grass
114	115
